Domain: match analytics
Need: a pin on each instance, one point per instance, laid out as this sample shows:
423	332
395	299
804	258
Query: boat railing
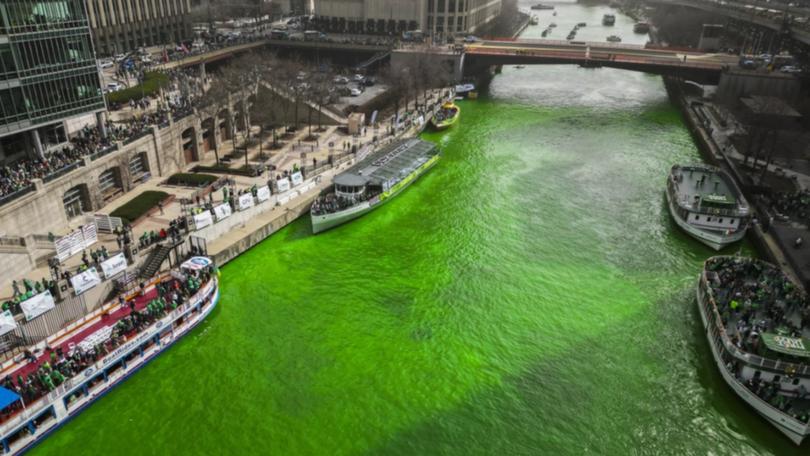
715	321
717	338
46	400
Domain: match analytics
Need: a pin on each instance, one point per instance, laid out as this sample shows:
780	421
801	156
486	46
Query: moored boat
372	182
446	117
756	322
53	383
705	202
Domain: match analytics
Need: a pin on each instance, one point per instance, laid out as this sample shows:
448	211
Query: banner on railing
263	194
283	185
37	305
246	201
90	234
222	211
203	219
85	281
76	241
7	322
297	178
114	265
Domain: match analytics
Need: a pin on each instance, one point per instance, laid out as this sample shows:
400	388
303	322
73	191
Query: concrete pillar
202	72
38	144
101	123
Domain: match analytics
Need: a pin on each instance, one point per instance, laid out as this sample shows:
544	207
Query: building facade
434	17
48	74
120	26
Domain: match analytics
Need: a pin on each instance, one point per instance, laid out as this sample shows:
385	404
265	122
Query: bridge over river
695	66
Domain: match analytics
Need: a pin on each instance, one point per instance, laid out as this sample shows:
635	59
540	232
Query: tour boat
464	89
102	351
372	182
446	117
706	203
608	19
752	313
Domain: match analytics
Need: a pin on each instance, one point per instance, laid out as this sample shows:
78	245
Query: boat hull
70	387
445	124
795	432
321	223
715	240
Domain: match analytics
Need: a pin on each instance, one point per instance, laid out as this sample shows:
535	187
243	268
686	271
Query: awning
795	346
196	263
7	397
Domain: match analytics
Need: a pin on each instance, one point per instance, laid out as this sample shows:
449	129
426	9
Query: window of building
138	166
109	182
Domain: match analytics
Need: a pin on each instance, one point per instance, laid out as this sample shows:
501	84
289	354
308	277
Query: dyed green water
528	296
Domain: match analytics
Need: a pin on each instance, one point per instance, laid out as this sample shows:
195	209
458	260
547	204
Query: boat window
796	381
776	378
757	374
721	220
697	217
709	219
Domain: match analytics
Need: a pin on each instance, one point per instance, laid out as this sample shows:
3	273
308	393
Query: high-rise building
48	73
436	17
124	25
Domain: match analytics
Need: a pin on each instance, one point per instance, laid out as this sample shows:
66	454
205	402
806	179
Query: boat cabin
350	186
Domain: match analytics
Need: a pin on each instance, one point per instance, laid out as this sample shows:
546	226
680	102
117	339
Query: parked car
369	82
355	92
341	80
470	39
790	69
119	57
358	78
105	63
113	87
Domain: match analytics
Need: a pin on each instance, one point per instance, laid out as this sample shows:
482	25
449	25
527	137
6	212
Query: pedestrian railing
103	152
61	172
17	194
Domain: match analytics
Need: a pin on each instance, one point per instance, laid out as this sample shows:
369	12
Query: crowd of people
793	205
753	297
61	363
29	289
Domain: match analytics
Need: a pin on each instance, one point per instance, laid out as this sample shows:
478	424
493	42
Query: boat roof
389	162
715	189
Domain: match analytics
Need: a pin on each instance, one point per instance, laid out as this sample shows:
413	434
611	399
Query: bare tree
211	102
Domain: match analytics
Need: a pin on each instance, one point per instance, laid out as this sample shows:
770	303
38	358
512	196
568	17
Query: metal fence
18	194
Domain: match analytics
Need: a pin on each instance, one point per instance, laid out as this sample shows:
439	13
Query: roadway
633	57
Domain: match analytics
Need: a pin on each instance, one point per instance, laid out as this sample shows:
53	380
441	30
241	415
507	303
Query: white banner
90	234
85	281
222	211
63	247
263	193
76	242
203	219
114	265
246	201
283	185
37	305
7	323
297	178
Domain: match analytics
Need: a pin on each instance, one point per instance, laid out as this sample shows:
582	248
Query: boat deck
709	186
392	162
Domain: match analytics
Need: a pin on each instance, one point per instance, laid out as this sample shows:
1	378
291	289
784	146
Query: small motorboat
614	39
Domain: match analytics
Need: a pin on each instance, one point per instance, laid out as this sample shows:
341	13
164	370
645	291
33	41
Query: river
530	295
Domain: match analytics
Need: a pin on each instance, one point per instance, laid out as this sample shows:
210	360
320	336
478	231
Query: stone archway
189	142
76	201
209	134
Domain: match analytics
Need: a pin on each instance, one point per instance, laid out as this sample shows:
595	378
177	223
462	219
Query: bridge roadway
230	51
748	12
696	66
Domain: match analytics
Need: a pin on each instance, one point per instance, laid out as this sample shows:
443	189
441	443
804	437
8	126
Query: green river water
529	295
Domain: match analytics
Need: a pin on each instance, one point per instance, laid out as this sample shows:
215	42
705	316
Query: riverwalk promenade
319	157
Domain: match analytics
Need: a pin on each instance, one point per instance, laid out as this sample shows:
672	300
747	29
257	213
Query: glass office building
48	70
